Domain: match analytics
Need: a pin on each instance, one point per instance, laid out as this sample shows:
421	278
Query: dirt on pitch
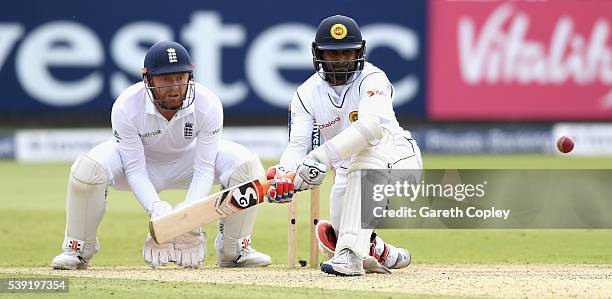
456	280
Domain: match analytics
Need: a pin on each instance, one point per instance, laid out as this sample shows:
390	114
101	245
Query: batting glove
276	171
281	187
281	190
309	174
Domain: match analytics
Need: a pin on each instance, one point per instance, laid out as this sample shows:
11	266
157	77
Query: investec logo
114	66
149	134
330	123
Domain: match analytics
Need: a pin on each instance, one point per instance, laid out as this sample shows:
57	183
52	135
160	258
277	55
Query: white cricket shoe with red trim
69	260
382	256
73	257
389	255
247	257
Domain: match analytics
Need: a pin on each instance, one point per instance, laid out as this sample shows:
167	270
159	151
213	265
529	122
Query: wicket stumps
314	212
314	219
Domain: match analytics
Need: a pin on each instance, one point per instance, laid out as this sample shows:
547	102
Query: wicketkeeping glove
158	254
190	249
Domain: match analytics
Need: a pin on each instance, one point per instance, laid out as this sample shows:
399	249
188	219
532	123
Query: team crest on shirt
188	130
338	31
353	116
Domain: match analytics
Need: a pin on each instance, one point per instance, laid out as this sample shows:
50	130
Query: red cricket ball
565	144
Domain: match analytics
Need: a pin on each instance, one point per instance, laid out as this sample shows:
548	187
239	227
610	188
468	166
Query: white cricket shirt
145	136
316	102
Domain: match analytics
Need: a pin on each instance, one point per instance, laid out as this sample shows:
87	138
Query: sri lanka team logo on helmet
338	31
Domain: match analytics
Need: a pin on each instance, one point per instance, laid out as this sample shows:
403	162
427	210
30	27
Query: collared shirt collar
330	90
149	106
187	111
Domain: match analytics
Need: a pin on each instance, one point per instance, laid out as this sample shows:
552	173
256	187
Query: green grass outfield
32	220
119	288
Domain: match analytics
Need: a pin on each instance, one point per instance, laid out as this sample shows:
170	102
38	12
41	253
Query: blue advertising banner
7	146
68	60
478	140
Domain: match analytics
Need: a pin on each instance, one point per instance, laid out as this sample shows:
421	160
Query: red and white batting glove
276	171
281	187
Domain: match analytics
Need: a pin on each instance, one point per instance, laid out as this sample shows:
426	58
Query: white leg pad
351	235
234	228
336	197
85	205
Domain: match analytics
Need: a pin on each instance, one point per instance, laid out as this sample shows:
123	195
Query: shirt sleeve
300	134
132	155
376	94
207	146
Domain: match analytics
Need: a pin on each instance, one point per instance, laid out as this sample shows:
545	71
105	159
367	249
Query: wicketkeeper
167	135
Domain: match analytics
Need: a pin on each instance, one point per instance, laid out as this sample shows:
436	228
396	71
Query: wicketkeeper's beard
170	103
174	103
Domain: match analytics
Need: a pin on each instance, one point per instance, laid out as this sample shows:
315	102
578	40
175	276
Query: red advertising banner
520	60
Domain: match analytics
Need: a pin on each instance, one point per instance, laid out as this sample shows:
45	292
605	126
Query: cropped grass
33	217
32	222
119	288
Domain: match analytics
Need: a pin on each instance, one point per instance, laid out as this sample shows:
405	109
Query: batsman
350	100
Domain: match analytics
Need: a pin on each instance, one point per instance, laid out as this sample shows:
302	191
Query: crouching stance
167	135
350	101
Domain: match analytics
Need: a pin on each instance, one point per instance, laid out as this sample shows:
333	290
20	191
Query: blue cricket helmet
167	57
338	33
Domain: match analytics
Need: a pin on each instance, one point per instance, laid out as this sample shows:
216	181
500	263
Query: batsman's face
170	89
340	61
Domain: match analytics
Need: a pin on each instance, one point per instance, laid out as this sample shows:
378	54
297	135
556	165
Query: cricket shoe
247	257
326	237
76	254
403	259
371	265
69	260
345	263
388	255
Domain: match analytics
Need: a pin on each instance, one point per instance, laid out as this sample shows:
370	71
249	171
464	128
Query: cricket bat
208	209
